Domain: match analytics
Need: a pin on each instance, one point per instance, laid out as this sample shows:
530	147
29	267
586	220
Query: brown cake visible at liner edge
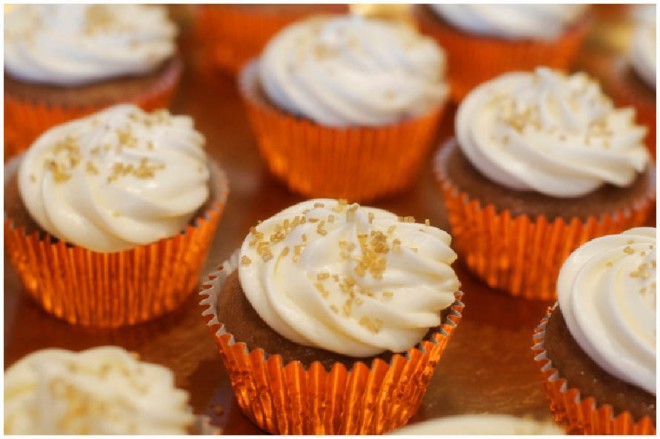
243	322
607	199
583	373
105	92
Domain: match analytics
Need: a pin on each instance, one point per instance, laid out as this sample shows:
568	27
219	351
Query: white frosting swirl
71	45
642	52
348	279
353	71
102	390
522	21
116	179
486	424
551	133
607	292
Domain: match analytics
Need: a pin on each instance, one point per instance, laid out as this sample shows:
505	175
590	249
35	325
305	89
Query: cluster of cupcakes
331	316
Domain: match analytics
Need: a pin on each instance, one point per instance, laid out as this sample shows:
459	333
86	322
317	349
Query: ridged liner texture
359	164
109	290
581	414
473	59
27	120
233	34
293	399
522	254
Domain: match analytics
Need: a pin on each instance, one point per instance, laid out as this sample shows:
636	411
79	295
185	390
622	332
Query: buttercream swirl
606	291
348	279
481	424
353	71
103	390
116	179
642	52
551	133
522	21
71	45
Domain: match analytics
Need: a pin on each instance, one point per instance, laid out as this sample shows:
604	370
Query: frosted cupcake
108	218
631	79
596	348
234	34
485	41
542	162
486	424
346	106
331	317
103	390
65	61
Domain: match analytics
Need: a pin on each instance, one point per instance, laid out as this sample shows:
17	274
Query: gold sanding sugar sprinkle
245	260
341	205
642	271
427	222
321	289
628	250
319	205
58	170
284	252
126	138
91	169
407	219
143	171
323	276
388	294
320	228
373	325
371	217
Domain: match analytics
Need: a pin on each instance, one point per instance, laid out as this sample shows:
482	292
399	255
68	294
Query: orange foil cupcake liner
234	34
358	164
26	120
473	59
109	290
522	254
294	399
580	413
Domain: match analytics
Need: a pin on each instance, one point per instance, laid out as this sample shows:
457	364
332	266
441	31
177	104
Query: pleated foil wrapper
581	414
357	163
26	120
108	290
294	399
474	59
521	255
234	34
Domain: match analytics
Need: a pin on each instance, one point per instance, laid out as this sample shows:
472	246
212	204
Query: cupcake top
642	49
116	179
353	71
353	280
485	424
103	390
522	21
549	132
71	45
607	290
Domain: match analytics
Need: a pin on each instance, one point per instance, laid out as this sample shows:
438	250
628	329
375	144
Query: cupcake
104	390
541	163
66	61
596	347
346	106
331	317
108	218
485	41
631	79
234	34
484	424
